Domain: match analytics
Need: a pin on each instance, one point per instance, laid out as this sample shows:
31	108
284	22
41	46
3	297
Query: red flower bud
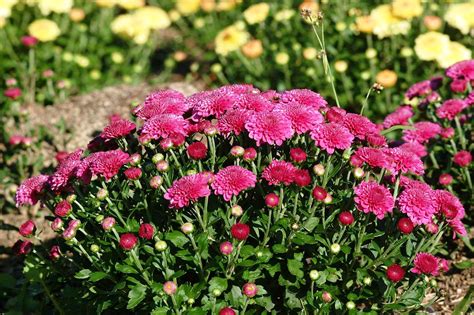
250	154
146	231
12	93
226	248
240	231
346	218
29	41
133	173
319	193
462	158
226	311
128	241
395	273
57	224
27	228
135	159
22	247
445	179
197	150
327	297
302	178
108	223
54	252
63	208
250	290
155	182
272	200
298	155
237	151
405	225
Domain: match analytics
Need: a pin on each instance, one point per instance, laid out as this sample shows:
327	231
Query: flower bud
108	223
358	172
69	234
63	208
431	228
135	159
445	179
94	248
191	301
295	226
272	200
161	246
102	194
395	273
328	199
236	211
216	292
250	290
326	296
237	151
166	144
54	252
162	166
240	231
210	131
170	287
27	229
22	247
57	224
99	218
335	248
157	157
433	283
259	254
226	248
346	155
405	225
187	228
128	241
319	169
298	155
346	218
367	280
319	193
350	305
146	231
250	154
156	182
191	172
71	198
314	275
74	224
227	311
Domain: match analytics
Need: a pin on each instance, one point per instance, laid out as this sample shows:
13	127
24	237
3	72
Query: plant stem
51	297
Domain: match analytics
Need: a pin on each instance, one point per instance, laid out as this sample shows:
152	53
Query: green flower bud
350	305
191	301
335	248
99	218
95	248
161	246
314	275
157	157
367	280
216	292
102	194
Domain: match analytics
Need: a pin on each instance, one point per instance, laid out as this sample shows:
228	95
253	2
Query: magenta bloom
29	41
27	228
335	114
188	189
415	148
254	102
212	103
162	102
418	204
447	133
30	190
164	126
66	170
63	208
427	264
12	93
373	197
303	118
358	125
332	136
233	121
302	178
133	173
458	227
230	181
128	241
403	161
450	108
279	172
376	139
269	127
399	117
449	205
372	156
462	158
146	231
461	73
423	132
118	128
107	163
424	88
305	97
22	247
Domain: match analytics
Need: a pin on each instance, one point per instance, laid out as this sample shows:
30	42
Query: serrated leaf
136	295
218	283
294	267
177	238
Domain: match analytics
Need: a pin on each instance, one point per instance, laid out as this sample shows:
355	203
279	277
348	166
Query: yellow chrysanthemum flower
230	39
227	5
461	16
188	7
284	15
455	52
310	53
407	9
208	5
386	24
256	13
44	30
106	3
282	58
387	78
77	14
6	7
364	24
155	18
341	66
431	45
252	49
56	6
131	4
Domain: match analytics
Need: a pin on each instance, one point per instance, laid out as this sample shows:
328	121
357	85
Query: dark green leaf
136	295
83	274
177	238
96	276
294	267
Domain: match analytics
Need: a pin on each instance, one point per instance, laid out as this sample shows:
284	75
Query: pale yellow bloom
310	53
256	13
341	26
117	57
371	53
252	49
6	8
67	56
387	78
199	23
284	15
106	3
407	9
406	52
82	61
208	5
230	39
341	66
56	6
432	22
364	24
461	16
77	14
131	4
282	58
154	18
2	22
431	45
227	5
95	74
455	52
174	15
44	30
187	7
386	24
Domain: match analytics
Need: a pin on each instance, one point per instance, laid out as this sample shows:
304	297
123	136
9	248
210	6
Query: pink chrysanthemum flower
427	264
211	103
66	170
107	163
403	161
230	181
407	182
461	73
269	127
254	102
423	132
450	108
399	117
238	89
414	147
188	189
29	191
449	205
418	204
470	99
462	158
304	97
302	118
373	198
359	125
458	227
162	102
279	172
164	126
335	114
233	121
271	95
424	88
117	129
372	156
332	136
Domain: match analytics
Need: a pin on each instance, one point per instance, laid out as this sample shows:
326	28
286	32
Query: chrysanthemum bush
237	200
439	113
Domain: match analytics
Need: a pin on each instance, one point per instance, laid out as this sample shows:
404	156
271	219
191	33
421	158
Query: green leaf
279	249
218	283
311	223
177	238
303	239
7	281
464	264
294	267
136	295
96	276
160	311
83	274
463	306
125	268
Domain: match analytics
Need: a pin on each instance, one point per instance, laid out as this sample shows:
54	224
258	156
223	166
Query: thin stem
51	297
